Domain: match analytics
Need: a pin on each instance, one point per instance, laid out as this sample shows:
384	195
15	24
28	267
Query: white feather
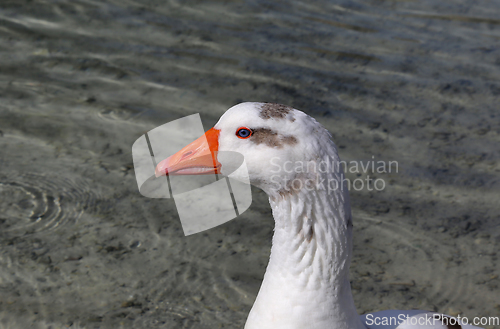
306	284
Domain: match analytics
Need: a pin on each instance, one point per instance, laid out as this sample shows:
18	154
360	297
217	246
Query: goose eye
244	133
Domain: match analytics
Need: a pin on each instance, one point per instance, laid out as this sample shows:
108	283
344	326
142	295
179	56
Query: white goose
306	284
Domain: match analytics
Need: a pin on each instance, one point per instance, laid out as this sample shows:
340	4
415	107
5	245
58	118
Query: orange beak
197	158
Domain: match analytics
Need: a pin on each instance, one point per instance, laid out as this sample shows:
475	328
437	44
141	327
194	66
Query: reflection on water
413	82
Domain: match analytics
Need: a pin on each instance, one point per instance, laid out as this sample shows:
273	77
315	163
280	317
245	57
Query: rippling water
410	81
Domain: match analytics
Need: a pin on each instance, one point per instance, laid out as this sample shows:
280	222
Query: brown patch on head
289	140
275	111
449	322
271	138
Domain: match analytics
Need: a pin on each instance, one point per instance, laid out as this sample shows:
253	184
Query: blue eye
243	133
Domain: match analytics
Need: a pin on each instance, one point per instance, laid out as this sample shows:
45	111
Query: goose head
280	145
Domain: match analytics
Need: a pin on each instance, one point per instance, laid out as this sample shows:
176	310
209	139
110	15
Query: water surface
415	82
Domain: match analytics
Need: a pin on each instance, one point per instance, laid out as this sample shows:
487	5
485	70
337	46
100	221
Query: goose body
292	158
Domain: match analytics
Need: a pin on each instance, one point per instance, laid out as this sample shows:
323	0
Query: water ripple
34	203
441	280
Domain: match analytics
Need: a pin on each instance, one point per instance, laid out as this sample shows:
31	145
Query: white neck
306	284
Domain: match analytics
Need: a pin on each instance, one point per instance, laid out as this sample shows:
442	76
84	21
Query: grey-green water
415	82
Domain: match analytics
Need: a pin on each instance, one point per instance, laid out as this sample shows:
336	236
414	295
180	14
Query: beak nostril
185	155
